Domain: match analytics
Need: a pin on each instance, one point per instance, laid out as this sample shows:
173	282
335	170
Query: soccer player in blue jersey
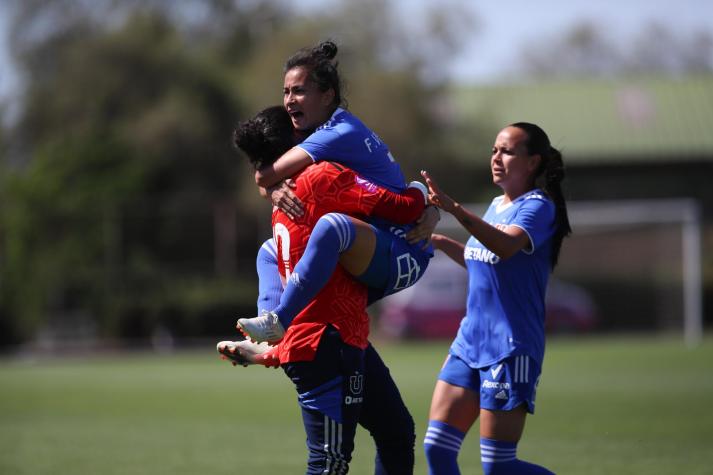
494	364
312	98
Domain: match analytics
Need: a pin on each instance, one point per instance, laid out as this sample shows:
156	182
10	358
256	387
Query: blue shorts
502	386
395	266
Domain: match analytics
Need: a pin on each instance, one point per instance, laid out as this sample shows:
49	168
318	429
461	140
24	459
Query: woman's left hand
425	225
436	196
284	198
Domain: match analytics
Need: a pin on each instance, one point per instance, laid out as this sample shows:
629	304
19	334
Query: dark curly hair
265	137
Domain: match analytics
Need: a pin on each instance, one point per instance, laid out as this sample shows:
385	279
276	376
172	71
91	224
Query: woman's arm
402	208
504	242
449	247
287	165
341	190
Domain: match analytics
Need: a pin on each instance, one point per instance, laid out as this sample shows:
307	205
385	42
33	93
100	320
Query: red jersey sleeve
400	209
340	189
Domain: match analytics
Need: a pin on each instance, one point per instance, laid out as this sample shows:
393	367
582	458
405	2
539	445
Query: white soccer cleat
264	328
242	352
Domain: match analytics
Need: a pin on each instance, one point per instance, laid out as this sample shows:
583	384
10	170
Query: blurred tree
658	50
127	133
582	51
586	51
119	202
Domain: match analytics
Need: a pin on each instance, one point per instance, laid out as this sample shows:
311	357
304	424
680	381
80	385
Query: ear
328	97
534	163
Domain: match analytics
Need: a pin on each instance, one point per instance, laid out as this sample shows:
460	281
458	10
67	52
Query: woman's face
510	164
307	105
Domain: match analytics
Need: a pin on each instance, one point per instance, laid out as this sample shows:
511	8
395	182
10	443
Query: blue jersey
345	139
506	298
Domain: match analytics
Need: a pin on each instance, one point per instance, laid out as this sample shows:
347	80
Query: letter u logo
356	383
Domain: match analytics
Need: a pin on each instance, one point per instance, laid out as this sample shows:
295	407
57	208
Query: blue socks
500	458
269	281
442	444
333	234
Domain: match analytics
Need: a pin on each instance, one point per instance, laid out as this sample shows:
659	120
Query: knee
408	430
334	226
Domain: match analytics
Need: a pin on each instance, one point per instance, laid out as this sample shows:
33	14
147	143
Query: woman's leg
500	432
334	234
455	407
335	238
453	411
331	393
385	415
505	401
269	281
376	258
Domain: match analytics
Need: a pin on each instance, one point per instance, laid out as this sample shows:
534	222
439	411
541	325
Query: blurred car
435	306
568	308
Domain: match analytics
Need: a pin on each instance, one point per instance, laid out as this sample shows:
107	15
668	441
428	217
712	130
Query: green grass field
605	406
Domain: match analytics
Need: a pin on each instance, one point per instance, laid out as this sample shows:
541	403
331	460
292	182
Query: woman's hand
425	225
282	196
450	247
437	241
436	196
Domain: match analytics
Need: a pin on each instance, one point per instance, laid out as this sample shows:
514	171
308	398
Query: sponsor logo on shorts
501	395
496	371
487	384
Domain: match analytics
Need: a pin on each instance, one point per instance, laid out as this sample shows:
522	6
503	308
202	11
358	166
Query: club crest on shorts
356	383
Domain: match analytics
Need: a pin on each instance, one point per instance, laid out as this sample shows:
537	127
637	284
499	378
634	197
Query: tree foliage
120	128
586	50
122	200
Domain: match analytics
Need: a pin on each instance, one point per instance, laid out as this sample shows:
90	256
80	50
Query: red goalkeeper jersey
323	188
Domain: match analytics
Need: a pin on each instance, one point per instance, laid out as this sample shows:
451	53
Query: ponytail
553	173
549	177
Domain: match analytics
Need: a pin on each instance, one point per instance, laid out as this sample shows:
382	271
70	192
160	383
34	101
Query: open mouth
296	114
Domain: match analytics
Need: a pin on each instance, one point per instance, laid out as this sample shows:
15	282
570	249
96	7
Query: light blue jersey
345	139
506	298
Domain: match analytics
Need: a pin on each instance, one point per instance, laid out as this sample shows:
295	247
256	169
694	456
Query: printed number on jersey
282	241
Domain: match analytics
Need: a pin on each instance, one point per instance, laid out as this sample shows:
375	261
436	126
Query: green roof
632	120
